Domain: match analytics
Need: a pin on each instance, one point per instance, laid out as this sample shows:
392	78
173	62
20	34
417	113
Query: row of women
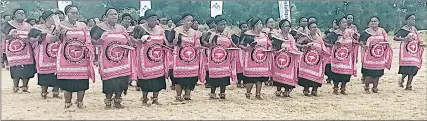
62	53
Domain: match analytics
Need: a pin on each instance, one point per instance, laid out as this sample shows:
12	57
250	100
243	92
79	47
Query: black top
332	37
364	37
36	32
167	32
327	32
170	36
235	39
401	33
247	39
277	44
6	28
96	32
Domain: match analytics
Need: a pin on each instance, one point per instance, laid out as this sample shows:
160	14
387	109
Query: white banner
62	4
216	8
144	6
285	10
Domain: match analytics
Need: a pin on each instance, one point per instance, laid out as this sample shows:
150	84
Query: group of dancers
63	52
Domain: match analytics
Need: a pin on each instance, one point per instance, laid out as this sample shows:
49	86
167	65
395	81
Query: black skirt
173	79
115	85
73	85
254	79
23	72
372	73
152	85
217	82
328	71
340	77
4	58
308	83
49	80
187	82
278	84
240	76
408	70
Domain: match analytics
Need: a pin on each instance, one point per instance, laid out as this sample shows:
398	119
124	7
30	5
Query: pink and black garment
115	53
75	58
256	67
376	54
152	60
45	52
344	55
410	53
312	64
286	58
187	61
19	51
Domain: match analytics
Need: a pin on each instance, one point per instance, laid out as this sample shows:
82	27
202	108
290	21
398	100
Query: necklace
111	26
72	25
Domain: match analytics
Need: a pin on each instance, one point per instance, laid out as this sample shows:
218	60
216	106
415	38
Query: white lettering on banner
310	72
411	59
219	69
375	62
116	35
155	68
75	32
22	32
13	58
289	76
73	69
257	69
341	66
284	10
156	37
186	67
108	70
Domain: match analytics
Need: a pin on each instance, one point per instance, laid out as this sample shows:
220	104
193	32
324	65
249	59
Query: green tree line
391	13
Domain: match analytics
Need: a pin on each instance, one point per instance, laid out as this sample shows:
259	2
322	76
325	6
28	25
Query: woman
19	51
90	23
236	38
211	23
41	21
151	59
411	51
220	58
170	37
350	23
269	30
328	71
45	52
311	68
141	20
377	54
344	55
186	67
302	28
269	27
75	57
31	21
126	21
113	41
285	60
256	68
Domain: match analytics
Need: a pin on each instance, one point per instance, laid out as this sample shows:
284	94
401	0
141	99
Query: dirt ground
391	103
